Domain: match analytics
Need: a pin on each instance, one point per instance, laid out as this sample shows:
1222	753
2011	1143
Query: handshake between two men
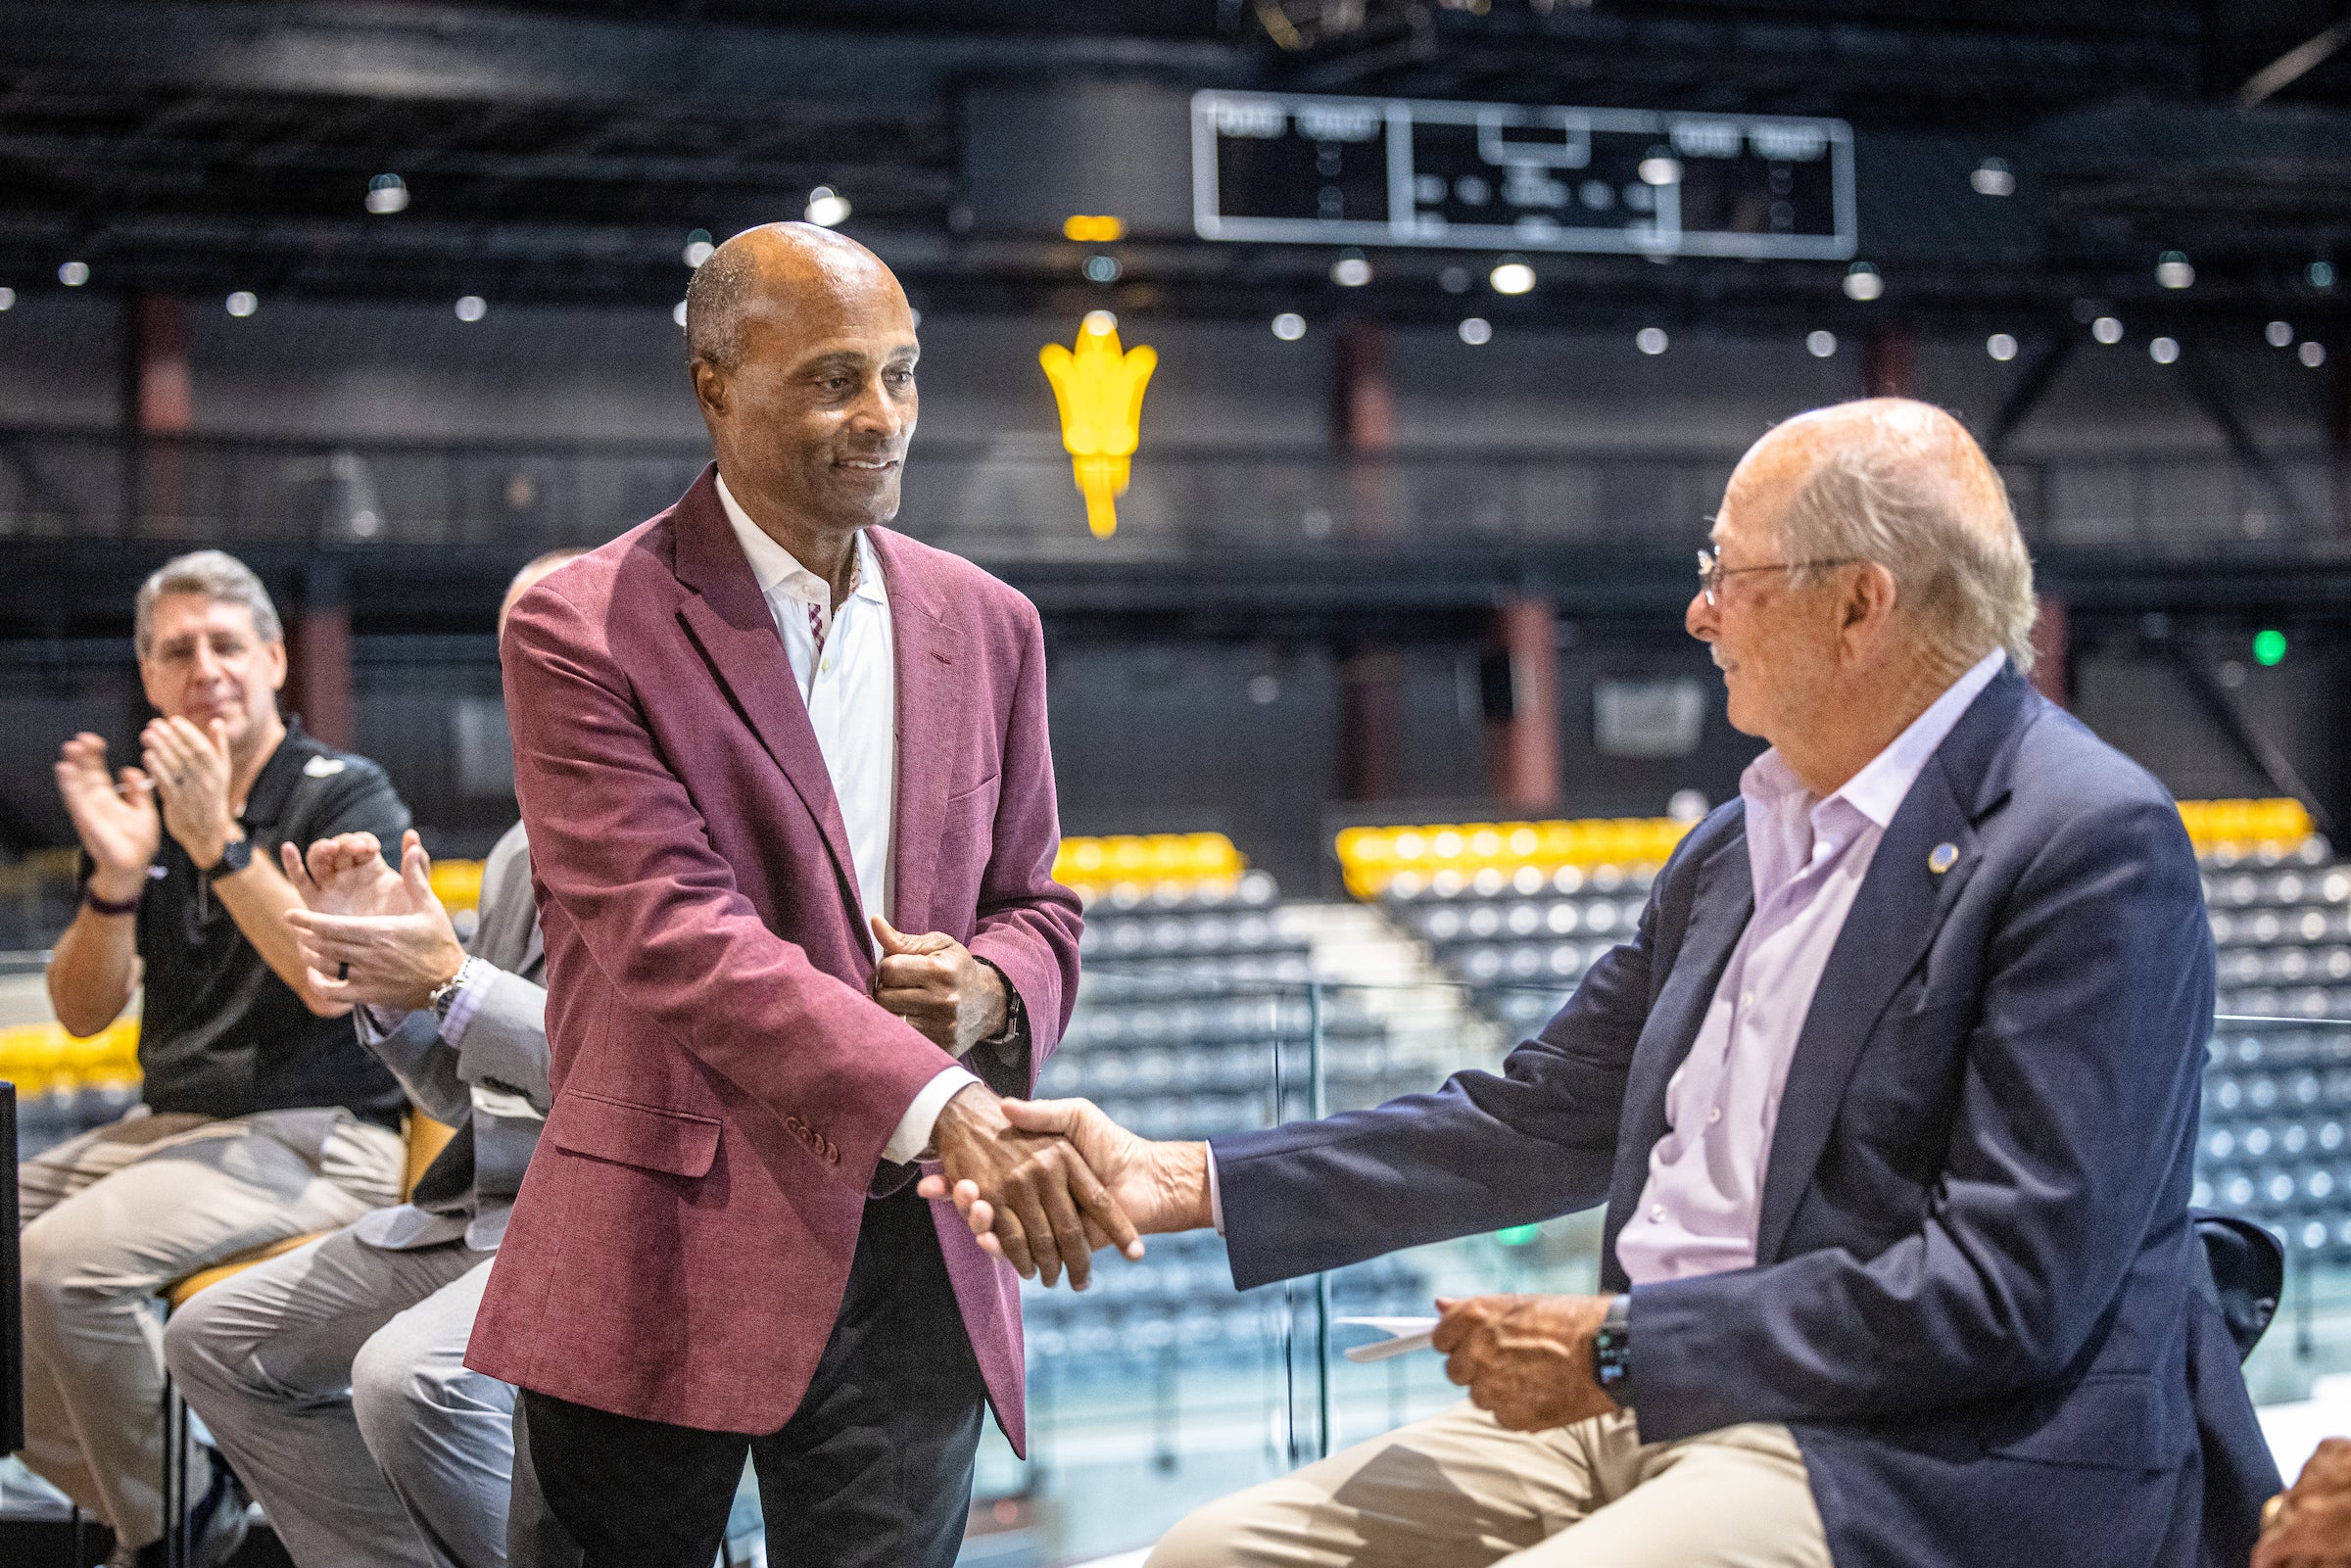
1066	1179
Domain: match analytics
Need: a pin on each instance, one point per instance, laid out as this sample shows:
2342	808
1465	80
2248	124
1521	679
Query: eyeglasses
1712	571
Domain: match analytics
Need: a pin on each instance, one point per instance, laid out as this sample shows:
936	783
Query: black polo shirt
220	1034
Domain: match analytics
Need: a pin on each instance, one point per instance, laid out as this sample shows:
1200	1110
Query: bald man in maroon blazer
756	739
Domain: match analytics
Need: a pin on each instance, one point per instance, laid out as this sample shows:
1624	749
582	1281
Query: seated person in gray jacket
333	1378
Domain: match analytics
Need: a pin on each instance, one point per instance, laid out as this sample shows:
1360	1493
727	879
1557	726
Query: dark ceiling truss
1905	62
563	150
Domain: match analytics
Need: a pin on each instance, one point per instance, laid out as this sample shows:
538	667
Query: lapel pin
1942	858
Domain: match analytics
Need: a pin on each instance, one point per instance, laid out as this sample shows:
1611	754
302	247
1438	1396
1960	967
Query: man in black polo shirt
262	1115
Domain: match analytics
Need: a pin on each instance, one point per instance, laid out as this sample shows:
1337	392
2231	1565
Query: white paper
1405	1333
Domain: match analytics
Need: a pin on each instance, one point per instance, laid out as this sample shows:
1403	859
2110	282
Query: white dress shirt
845	666
1699	1212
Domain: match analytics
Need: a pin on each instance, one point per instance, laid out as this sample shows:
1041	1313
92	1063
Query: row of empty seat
1196	1017
1504	910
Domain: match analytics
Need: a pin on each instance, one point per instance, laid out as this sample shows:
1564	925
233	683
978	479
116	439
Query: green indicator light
2269	647
1518	1235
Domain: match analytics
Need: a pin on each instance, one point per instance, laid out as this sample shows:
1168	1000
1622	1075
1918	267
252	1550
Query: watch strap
447	991
1611	1343
112	906
235	856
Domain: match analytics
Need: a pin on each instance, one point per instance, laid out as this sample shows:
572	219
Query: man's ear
1869	601
709	388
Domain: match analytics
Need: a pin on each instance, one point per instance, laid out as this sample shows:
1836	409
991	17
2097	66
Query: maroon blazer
723	1083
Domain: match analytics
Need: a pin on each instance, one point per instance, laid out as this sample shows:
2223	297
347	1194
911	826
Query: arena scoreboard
1298	168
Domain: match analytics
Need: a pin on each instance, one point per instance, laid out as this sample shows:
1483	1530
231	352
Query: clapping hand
115	817
368	933
191	769
2309	1525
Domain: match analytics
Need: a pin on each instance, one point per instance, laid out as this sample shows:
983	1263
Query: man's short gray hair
216	575
1965	579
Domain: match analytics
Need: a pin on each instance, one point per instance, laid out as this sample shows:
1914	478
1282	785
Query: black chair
2243	1275
12	1290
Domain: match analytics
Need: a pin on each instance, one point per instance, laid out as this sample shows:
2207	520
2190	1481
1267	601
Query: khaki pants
1457	1490
115	1215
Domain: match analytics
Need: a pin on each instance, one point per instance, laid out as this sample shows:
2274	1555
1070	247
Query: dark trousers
874	1470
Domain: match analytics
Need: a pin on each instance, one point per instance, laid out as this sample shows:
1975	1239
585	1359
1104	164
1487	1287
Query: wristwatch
1613	1344
445	992
235	856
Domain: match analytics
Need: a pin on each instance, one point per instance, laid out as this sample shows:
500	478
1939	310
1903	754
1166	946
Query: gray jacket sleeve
423	1063
504	1044
504	1048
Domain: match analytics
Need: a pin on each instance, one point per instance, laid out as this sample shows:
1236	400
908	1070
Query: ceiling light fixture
1289	326
2000	346
1350	271
387	194
1994	177
243	304
1862	283
73	274
472	307
1820	345
2107	330
1475	330
1651	341
2172	271
826	207
1512	276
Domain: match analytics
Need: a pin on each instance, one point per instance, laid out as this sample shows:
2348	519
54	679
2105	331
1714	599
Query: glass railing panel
2275	1146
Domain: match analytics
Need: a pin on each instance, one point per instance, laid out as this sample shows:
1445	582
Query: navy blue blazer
1972	1301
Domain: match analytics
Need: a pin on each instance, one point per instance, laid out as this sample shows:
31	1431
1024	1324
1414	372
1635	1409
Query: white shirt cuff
1215	1198
473	981
915	1126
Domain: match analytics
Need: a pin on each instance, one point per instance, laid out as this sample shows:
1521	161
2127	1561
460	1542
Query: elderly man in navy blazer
1892	1099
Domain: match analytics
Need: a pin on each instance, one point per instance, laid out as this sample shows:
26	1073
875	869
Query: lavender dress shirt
1697	1215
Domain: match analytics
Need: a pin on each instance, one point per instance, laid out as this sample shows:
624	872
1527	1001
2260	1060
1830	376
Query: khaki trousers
1457	1490
114	1215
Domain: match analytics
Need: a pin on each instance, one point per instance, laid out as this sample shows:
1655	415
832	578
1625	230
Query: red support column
1362	407
320	677
1888	361
1524	747
2339	425
2049	650
161	395
1371	686
1363	432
